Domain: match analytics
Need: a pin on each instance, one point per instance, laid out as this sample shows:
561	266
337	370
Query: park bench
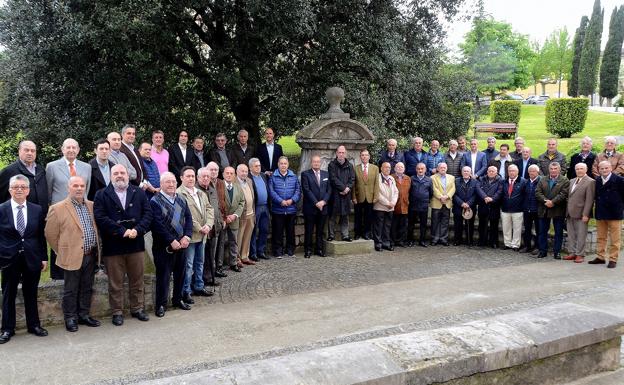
496	128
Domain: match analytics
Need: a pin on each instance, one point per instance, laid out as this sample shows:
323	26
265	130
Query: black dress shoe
389	248
88	321
160	312
262	256
597	261
182	305
378	248
202	293
307	254
456	243
329	239
253	258
187	298
347	239
6	337
367	237
443	243
235	268
117	320
220	273
321	254
422	244
356	237
213	283
524	250
141	315
557	256
494	246
432	244
38	331
71	325
611	265
541	255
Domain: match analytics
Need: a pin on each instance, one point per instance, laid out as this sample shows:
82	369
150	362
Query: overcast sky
536	18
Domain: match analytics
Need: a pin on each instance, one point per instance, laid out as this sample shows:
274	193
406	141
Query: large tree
590	55
577	46
84	67
612	56
500	58
557	53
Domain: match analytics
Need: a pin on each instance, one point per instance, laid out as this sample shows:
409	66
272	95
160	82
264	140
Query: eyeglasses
19	187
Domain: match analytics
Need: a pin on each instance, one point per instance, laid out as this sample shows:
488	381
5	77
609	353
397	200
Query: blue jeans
260	232
194	267
542	238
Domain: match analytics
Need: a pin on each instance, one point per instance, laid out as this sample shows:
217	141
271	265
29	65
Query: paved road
283	306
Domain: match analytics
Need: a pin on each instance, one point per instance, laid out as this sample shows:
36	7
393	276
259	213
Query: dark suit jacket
113	220
313	193
38	184
33	242
263	155
160	231
240	156
97	179
177	162
519	163
138	165
610	198
465	193
515	202
213	156
576	159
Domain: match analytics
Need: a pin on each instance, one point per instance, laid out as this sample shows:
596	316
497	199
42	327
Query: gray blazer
581	200
57	176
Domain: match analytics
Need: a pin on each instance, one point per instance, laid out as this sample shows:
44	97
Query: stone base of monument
357	247
554	344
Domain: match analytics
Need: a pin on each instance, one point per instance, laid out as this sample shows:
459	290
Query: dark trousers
167	263
488	228
281	223
11	277
460	224
314	223
78	288
440	224
363	216
56	272
421	218
399	228
213	256
260	232
382	227
530	221
542	234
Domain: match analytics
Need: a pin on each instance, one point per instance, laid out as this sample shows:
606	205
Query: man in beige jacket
441	204
72	233
579	210
387	197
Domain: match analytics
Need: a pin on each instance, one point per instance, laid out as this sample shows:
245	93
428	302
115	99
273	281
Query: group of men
205	211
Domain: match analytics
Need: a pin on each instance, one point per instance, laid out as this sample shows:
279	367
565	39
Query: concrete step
608	378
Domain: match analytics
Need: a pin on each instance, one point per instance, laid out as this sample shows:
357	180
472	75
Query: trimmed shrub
505	111
566	117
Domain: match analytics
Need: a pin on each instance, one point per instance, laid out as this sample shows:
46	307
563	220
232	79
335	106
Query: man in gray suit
579	211
58	173
234	207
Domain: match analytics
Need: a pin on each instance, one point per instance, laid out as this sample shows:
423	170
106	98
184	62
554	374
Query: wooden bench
496	128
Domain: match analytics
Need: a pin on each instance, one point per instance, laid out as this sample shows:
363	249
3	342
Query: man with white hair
58	173
525	162
512	205
579	210
453	159
612	156
243	151
584	156
530	217
441	204
415	156
391	154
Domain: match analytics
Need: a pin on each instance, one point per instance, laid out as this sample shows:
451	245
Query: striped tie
21	224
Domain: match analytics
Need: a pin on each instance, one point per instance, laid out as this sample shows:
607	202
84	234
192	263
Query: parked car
542	100
530	100
513	97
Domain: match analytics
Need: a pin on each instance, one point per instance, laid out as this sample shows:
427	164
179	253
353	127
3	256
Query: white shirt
194	195
183	151
122	196
270	147
131	147
14	209
605	180
452	155
473	161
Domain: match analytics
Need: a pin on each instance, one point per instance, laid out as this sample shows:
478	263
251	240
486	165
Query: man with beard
342	180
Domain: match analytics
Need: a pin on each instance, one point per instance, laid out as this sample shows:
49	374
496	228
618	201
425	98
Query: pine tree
590	56
611	58
577	45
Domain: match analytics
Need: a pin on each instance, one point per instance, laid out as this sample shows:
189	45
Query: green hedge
505	111
566	117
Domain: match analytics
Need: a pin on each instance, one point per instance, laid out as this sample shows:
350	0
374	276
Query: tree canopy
612	56
590	55
577	46
83	68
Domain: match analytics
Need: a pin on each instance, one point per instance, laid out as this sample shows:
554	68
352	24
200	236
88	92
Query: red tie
510	189
365	172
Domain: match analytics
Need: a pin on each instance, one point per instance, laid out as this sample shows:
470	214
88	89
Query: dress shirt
605	180
270	148
32	168
161	158
86	222
105	170
122	196
183	151
15	210
194	195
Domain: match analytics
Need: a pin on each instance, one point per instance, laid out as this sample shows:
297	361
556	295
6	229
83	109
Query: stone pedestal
340	248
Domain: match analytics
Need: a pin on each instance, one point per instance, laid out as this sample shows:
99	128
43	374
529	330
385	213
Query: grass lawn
532	128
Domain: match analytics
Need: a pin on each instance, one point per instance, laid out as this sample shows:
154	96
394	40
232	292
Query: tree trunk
247	114
609	102
535	88
543	88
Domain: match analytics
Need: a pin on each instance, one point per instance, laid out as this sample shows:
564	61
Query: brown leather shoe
570	257
248	262
611	264
239	263
597	261
579	259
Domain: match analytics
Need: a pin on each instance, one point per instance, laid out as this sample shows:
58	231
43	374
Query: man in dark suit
242	151
475	159
220	154
123	216
100	168
26	165
181	155
128	136
512	206
316	194
465	197
200	160
584	156
524	162
262	201
23	248
269	152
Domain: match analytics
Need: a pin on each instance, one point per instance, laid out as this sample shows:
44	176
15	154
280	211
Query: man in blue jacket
475	159
465	197
414	156
123	216
421	192
434	157
316	194
285	192
489	190
511	208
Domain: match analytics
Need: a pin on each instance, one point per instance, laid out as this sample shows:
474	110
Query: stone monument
331	129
